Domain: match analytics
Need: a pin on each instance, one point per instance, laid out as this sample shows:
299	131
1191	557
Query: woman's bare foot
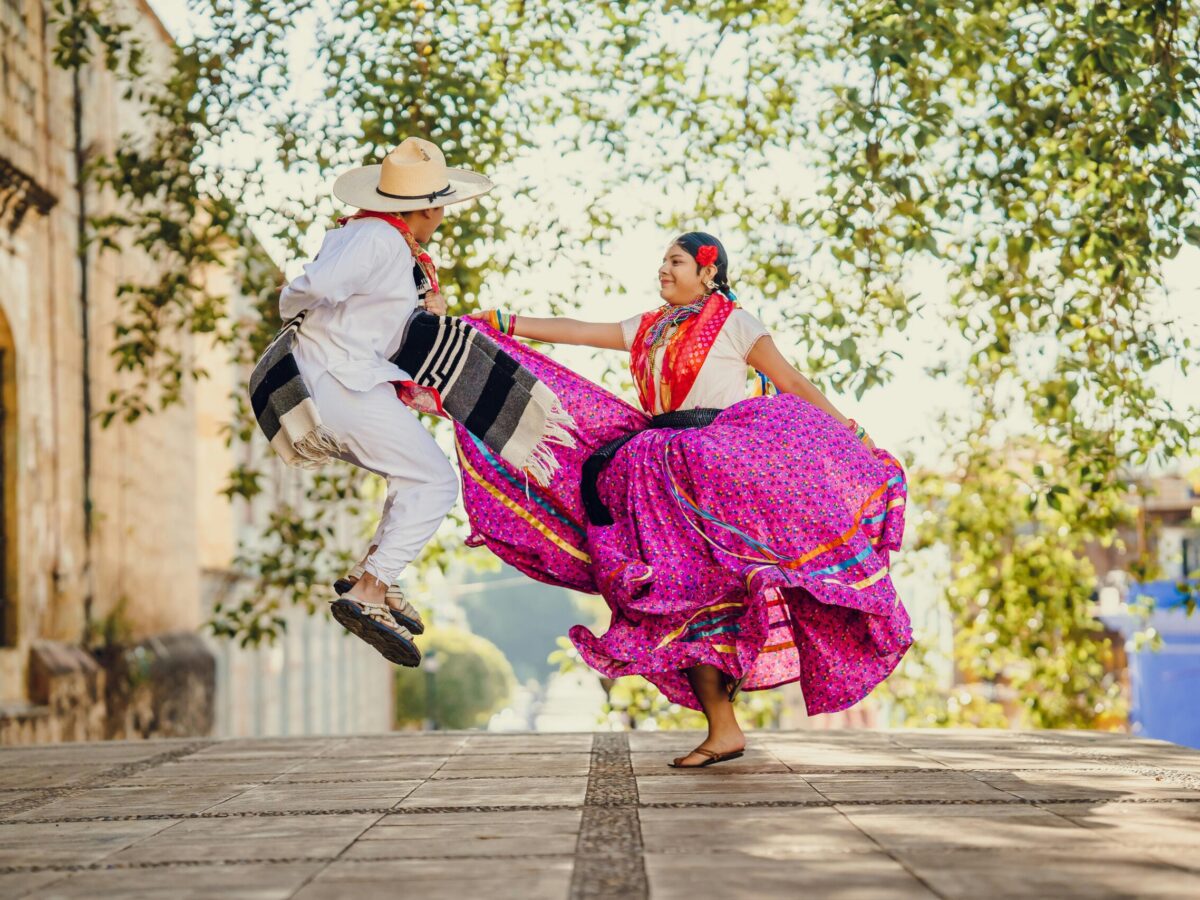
724	733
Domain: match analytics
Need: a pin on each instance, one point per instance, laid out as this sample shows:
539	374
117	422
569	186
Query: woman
740	543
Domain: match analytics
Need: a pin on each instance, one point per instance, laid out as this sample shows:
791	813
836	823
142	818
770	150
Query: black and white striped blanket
471	380
284	408
486	391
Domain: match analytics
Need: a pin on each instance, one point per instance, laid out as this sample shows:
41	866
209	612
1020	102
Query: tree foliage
1041	157
473	681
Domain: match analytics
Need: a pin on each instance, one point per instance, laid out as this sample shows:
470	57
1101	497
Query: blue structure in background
1165	682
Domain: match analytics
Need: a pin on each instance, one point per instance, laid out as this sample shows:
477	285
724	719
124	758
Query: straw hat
413	176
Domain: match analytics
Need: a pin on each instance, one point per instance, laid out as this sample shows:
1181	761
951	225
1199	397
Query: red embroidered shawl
684	353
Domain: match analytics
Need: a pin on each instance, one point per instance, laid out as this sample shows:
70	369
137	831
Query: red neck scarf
422	257
685	350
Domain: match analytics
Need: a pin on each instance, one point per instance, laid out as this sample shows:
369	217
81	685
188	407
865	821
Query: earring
710	284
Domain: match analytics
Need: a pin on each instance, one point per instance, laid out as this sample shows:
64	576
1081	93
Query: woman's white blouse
723	379
359	292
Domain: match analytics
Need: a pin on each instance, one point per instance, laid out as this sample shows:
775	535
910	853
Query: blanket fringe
541	464
559	430
316	448
560	425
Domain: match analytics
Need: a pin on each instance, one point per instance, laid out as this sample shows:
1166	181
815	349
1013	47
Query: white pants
384	436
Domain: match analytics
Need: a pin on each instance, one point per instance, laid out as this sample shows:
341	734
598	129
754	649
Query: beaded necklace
658	335
670	318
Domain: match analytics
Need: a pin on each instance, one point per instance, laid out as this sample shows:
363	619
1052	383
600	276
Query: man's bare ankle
369	589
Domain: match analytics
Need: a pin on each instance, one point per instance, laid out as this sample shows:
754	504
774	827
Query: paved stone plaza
808	814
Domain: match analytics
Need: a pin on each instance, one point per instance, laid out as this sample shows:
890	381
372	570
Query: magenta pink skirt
759	544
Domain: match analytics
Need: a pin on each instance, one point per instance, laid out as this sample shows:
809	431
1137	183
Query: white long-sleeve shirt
359	292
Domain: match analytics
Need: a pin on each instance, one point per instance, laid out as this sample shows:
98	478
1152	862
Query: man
355	299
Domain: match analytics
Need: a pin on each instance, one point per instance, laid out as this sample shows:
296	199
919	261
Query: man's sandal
713	758
349	580
402	611
376	625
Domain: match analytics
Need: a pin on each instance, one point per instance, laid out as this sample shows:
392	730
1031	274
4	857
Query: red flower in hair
706	255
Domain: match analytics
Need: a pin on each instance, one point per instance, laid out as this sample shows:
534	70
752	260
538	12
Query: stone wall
100	524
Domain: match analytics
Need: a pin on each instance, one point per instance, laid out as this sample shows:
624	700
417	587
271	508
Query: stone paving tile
760	833
507	833
1031	757
670	741
846	737
105	754
929	828
858	876
20	884
950	817
227	768
521	743
499	792
133	801
755	762
272	746
258	881
30	776
1097	738
340	766
713	786
1000	874
827	757
1067	785
1188	764
1149	825
405	744
158	782
914	785
940	737
547	878
675	742
68	843
274	837
533	765
343	795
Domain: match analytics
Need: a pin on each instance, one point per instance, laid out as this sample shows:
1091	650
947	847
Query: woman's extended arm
558	330
765	357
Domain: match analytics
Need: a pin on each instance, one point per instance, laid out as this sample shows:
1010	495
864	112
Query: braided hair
693	241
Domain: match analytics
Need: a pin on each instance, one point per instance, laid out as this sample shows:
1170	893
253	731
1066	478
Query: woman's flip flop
376	625
713	758
735	686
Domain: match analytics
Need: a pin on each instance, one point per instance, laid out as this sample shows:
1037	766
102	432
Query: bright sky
901	416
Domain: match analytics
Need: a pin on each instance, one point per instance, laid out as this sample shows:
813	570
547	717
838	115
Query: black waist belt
597	512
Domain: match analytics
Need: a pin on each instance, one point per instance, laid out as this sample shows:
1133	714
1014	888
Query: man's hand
435	303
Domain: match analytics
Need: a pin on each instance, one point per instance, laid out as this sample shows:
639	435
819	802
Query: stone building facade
116	540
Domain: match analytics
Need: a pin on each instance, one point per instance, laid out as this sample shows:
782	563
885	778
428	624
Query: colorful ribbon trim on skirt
514	507
770	557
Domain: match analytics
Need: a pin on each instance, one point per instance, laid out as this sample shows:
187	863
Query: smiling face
681	279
